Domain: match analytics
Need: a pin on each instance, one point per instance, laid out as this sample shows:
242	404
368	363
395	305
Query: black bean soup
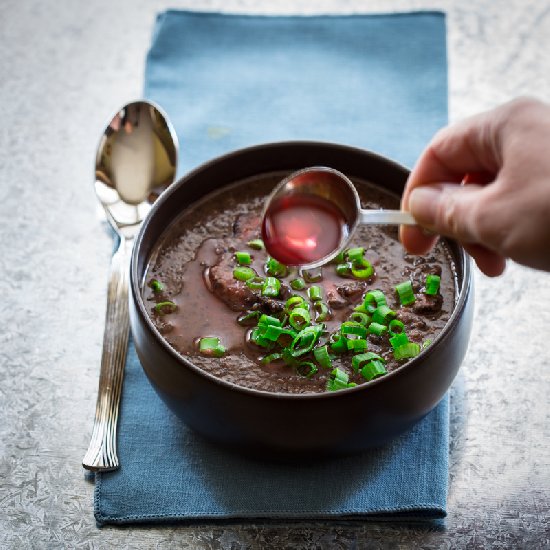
218	299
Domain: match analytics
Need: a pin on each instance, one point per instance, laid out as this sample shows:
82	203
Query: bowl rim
464	290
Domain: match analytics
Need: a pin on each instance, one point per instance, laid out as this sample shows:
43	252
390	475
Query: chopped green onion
266	320
372	370
255	283
294	301
358	345
243	273
314	293
256	244
399	340
306	368
156	285
383	315
322	356
360	317
256	336
339	258
286	336
343	269
211	346
359	361
243	258
305	340
271	358
432	284
166	307
406	351
312	275
426	343
405	292
363	272
339	380
299	318
338	343
355	254
271	287
373	300
322	311
352	328
274	268
396	327
248	319
377	328
297	284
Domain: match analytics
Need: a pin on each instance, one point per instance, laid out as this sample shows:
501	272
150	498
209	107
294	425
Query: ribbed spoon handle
102	452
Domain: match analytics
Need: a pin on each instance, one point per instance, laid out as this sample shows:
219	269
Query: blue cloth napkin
228	81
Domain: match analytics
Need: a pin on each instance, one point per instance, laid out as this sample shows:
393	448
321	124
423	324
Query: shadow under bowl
282	425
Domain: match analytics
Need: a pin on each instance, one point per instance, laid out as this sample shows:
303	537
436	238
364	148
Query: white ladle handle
102	452
386	217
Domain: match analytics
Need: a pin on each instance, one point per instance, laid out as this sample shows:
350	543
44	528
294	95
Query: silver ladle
320	184
136	160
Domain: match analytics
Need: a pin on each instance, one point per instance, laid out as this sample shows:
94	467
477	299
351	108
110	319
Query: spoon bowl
318	191
136	161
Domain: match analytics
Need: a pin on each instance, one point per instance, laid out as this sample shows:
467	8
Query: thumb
448	209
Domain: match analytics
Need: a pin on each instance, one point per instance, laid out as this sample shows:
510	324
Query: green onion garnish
256	244
297	284
344	269
399	340
322	311
243	273
355	254
396	327
363	272
358	345
271	287
305	340
312	275
294	301
243	258
339	380
166	307
306	368
299	318
377	328
274	268
405	292
338	343
255	283
323	357
383	315
248	319
352	328
372	370
271	358
373	300
360	317
359	361
266	320
211	346
156	285
432	284
406	351
314	293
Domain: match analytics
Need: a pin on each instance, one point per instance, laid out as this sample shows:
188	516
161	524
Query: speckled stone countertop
64	67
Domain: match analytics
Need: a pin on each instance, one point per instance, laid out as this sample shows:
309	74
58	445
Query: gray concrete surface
64	67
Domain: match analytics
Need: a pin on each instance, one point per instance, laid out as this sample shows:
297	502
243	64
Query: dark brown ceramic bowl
277	424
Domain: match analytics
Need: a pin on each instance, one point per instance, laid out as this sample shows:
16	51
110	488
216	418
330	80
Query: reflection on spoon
311	215
136	160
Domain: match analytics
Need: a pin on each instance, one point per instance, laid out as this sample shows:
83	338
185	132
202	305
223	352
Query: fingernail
423	203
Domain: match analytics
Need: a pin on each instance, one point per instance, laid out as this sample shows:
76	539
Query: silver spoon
311	215
136	160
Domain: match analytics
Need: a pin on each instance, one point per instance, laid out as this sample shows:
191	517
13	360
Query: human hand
485	182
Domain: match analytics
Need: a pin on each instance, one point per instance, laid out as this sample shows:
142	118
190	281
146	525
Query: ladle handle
386	217
102	452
